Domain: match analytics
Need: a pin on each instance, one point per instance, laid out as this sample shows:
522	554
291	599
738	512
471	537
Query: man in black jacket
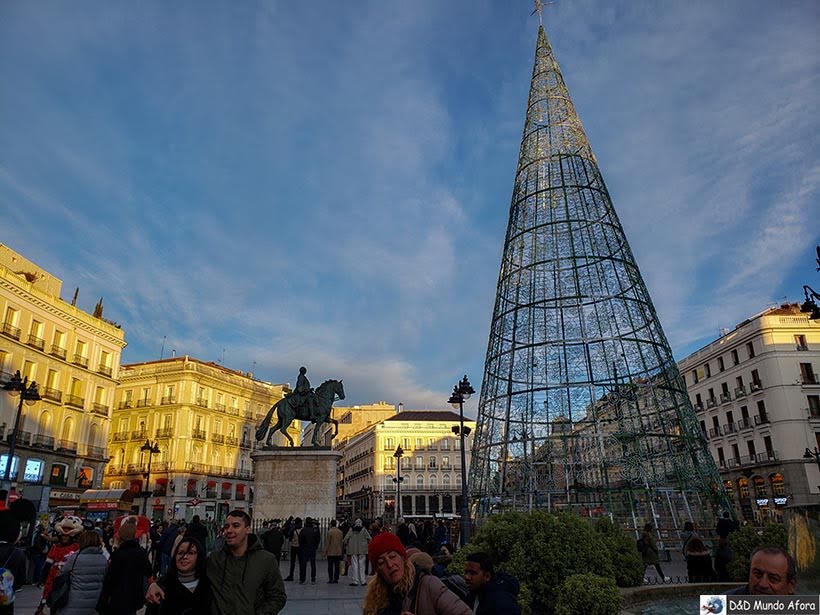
123	587
490	593
196	530
273	539
308	544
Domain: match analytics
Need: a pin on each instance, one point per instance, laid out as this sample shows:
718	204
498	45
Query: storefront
103	504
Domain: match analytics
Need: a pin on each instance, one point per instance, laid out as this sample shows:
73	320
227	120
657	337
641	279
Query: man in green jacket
244	576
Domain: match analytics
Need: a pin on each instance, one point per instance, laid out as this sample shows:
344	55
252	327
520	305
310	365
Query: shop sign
781	501
102	505
762	501
65	495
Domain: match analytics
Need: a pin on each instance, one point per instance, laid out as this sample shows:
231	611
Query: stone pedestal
294	481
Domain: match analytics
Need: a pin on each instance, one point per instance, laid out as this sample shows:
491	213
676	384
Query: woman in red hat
400	588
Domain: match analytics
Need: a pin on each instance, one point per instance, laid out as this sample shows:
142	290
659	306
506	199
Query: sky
276	184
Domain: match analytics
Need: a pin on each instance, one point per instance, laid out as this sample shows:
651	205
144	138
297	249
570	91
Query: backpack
7	582
641	544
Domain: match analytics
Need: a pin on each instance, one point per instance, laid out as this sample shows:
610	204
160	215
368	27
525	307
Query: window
721	459
698	401
59	474
767	444
33	472
388	443
735	357
814	405
721	366
445	463
778	488
405	443
744	412
751	446
761	412
807	374
760	486
736	453
743	487
419	445
445	444
756	383
29	370
750	350
695	376
432	463
419	462
420	480
4	357
445	480
708	369
800	342
58	342
703	427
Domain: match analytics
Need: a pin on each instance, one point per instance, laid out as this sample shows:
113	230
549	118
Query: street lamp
151	449
809	305
28	393
809	454
461	393
398	480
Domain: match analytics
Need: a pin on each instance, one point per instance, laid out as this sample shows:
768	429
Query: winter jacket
125	582
429	596
198	531
247	585
87	569
309	539
179	600
685	537
496	597
355	542
650	552
14	560
166	541
403	532
273	540
333	543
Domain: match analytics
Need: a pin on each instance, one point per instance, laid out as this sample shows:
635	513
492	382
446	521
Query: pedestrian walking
309	541
648	548
123	587
86	569
355	545
333	551
186	586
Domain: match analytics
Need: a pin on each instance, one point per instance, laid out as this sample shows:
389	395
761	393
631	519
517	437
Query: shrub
746	540
626	560
588	594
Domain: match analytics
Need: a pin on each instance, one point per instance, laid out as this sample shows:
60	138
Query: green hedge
542	550
746	540
588	594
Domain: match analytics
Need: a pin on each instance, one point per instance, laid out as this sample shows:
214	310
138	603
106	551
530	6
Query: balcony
41	441
160	466
168	400
80	360
808	379
725	398
232	411
198	434
36	342
58	481
51	394
245	443
814	413
74	400
219	407
105	370
698	407
729	428
714	432
756	385
143	403
218	438
165	432
744	423
58	351
196	468
95	452
124	405
135	468
740	391
100	409
711	402
120	436
202	402
23	438
140	434
10	330
231	440
802	347
115	470
761	419
210	494
68	446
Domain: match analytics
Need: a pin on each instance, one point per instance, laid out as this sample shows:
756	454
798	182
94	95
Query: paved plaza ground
322	598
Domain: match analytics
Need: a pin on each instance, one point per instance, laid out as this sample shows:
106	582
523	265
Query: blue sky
327	183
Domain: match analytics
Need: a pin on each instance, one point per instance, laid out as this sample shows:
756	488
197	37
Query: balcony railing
232	411
761	419
217	437
115	470
11	330
219	407
165	432
160	466
67	445
23	438
744	423
729	428
58	481
140	434
814	413
135	468
198	434
232	440
168	400
95	452
201	401
196	468
58	351
810	378
725	397
52	394
802	347
740	391
756	385
143	403
714	432
100	409
711	402
120	436
36	342
75	400
41	441
80	360
126	404
245	444
698	407
105	370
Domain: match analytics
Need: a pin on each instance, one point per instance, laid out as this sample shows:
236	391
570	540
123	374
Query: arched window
433	481
446	480
93	434
68	429
778	488
420	480
45	424
743	487
730	487
760	486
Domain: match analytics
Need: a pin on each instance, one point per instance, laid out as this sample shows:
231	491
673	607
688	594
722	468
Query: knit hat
128	531
384	543
422	560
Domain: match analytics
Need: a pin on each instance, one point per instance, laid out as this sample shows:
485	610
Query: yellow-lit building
352	420
74	358
430	466
202	418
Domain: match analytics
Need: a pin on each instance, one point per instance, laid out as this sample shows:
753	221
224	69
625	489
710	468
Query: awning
226	485
107	499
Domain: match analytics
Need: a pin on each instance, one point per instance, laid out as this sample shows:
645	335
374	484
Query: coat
198	531
14	560
309	540
87	569
124	585
355	542
650	552
429	596
179	600
333	542
273	540
497	596
248	585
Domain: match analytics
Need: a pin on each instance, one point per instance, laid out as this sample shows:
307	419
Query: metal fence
258	529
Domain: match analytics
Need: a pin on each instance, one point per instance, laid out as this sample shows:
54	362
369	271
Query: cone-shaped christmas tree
582	406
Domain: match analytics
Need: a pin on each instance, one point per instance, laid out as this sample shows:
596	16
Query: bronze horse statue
326	393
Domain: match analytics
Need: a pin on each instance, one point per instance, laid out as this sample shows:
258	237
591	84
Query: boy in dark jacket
490	593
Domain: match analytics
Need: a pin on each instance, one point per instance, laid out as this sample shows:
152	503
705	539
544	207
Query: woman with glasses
186	586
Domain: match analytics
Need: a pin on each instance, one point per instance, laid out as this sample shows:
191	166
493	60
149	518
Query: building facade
200	420
757	395
74	358
352	420
430	466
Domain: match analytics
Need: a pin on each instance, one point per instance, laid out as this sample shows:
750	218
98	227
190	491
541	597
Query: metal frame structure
582	406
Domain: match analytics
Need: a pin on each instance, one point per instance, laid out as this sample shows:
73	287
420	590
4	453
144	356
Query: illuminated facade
757	396
352	420
74	358
202	417
430	466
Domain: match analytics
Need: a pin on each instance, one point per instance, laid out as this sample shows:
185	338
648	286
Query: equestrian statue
304	404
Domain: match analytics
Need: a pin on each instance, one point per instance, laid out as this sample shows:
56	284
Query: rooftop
425	415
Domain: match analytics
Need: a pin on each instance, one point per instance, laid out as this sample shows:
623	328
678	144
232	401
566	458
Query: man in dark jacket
245	578
124	583
166	545
273	540
196	530
490	593
403	532
308	544
726	526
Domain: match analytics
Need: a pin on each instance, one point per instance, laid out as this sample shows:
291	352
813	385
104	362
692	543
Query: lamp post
151	449
398	480
28	393
462	392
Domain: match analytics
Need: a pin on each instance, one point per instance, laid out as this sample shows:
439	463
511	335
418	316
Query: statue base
294	481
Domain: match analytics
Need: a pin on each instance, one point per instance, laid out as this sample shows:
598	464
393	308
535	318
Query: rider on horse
303	395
